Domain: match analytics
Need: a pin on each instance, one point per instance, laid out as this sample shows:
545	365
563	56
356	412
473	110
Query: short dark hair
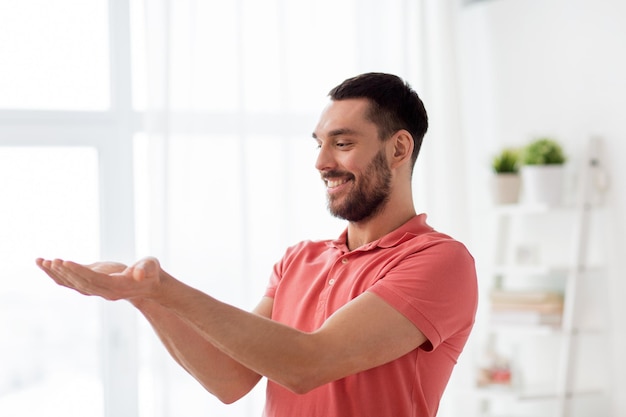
394	105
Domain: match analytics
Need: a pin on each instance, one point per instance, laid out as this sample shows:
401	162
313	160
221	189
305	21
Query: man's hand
109	280
107	267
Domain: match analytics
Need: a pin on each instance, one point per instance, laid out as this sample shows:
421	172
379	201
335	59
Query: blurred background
182	129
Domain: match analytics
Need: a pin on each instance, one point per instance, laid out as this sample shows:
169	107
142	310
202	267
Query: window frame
110	133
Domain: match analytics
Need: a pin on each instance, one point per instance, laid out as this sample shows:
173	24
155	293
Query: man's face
352	161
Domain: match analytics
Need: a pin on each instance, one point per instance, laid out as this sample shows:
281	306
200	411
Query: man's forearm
355	338
288	356
217	372
266	347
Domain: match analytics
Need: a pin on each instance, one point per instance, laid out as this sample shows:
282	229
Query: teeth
335	183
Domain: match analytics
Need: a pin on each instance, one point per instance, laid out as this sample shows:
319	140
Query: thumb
145	268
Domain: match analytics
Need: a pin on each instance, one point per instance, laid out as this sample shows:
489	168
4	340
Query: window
50	338
208	163
53	53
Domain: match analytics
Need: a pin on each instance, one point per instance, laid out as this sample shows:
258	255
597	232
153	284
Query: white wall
558	68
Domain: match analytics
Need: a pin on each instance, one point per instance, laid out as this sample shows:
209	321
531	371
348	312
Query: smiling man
365	198
368	324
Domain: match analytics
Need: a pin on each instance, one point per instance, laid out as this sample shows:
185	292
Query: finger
138	273
51	269
57	270
77	269
44	264
75	276
145	267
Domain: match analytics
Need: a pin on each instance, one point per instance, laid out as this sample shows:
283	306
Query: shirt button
331	281
344	261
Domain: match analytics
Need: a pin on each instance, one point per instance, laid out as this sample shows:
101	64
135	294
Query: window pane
48	335
205	56
262	67
205	249
319	57
205	213
54	54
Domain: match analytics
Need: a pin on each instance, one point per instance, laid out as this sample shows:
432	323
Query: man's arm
218	373
365	333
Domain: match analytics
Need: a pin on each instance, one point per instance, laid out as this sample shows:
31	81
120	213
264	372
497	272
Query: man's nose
325	159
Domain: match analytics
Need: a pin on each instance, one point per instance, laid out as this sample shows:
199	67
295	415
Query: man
370	324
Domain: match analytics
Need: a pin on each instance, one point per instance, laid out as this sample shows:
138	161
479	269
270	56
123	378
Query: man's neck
362	233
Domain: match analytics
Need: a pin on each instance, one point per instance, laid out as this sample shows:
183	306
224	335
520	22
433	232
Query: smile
335	183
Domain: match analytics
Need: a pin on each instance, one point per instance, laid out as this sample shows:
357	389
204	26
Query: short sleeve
272	285
434	287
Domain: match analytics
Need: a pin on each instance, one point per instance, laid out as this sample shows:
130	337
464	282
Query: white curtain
232	93
225	95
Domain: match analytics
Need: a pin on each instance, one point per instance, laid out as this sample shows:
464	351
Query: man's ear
402	148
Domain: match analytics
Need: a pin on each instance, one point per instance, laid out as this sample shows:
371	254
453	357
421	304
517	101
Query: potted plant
542	170
506	181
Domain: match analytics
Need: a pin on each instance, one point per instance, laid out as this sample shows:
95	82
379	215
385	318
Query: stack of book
526	307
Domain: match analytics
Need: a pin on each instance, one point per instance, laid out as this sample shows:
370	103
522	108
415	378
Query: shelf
507	415
508	209
534	393
540	255
541	329
542	270
517	328
517	394
517	270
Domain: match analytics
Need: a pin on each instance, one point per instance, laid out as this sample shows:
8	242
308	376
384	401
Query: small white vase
505	188
542	184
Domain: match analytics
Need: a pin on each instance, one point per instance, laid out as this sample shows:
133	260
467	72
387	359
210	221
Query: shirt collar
415	226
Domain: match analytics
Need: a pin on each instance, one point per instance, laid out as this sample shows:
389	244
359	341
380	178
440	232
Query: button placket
332	281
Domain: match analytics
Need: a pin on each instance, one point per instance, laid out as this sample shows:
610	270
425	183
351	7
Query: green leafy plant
507	161
543	151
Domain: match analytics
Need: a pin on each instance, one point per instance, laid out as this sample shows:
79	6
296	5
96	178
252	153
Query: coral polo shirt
427	276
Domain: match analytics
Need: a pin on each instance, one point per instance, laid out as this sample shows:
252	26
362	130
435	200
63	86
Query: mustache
336	174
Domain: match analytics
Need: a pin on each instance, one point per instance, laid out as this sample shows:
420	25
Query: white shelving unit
533	354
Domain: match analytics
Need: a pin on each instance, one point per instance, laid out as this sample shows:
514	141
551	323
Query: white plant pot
542	184
505	188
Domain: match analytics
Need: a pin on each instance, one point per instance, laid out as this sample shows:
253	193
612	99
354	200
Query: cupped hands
109	280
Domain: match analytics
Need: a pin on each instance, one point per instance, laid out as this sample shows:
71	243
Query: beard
369	194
